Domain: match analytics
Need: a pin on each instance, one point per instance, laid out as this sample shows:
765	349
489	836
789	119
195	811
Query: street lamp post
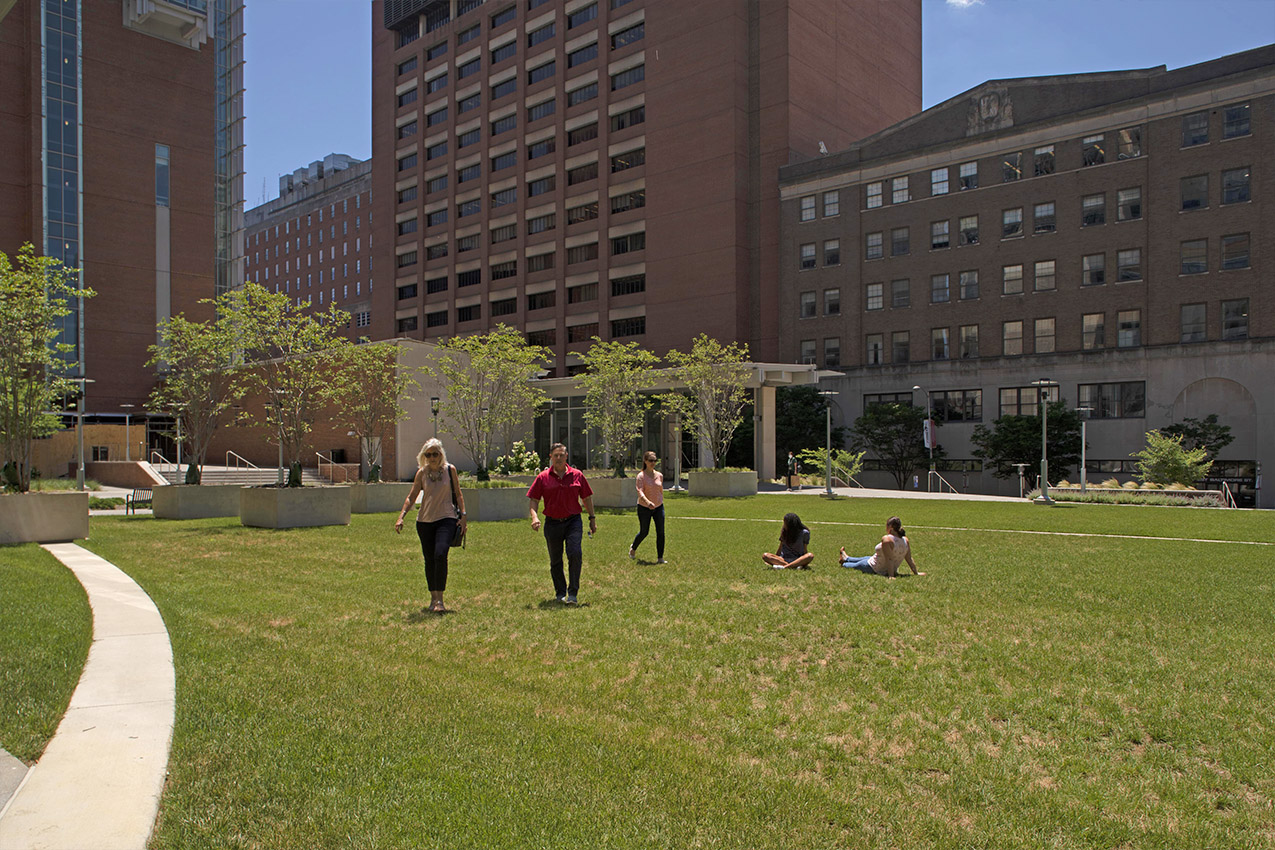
827	488
1043	386
929	435
1084	420
79	432
278	394
128	443
433	408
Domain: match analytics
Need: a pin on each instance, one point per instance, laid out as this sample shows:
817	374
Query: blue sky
308	74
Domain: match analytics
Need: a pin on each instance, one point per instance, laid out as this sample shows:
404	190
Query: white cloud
964	4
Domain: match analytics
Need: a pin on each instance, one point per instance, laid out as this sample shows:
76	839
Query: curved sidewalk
99	781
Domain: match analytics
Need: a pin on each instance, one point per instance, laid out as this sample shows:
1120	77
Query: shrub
520	461
1110	482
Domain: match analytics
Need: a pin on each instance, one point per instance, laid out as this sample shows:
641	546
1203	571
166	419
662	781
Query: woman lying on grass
794	540
892	551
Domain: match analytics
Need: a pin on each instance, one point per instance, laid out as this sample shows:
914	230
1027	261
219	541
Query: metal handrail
239	458
162	460
951	488
1227	499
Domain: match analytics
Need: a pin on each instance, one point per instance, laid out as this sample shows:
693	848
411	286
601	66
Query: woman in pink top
650	493
892	551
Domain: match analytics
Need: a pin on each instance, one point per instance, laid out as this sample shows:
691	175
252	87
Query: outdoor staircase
239	475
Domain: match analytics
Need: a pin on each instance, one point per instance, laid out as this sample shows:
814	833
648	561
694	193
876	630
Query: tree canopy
716	379
1016	439
616	387
368	394
893	433
1166	460
1204	433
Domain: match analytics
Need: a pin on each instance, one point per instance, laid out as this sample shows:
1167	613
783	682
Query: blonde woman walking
440	518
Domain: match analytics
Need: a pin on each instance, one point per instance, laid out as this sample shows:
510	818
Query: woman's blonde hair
432	443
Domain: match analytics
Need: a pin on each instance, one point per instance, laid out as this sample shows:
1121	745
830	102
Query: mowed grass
45	631
1031	691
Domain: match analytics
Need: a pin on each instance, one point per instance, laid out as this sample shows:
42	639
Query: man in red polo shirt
564	489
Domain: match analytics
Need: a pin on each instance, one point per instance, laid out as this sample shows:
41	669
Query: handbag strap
455	501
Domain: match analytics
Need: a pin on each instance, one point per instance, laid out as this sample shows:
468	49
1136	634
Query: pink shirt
652	487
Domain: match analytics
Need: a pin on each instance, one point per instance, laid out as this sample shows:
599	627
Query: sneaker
571	600
562	599
632	554
661	561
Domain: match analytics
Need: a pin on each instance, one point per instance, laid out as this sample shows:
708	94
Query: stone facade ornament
991	110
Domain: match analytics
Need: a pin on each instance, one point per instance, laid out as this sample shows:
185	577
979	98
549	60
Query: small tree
893	432
34	293
368	394
801	423
196	380
716	379
845	464
1016	439
1203	433
616	401
299	356
1166	461
487	388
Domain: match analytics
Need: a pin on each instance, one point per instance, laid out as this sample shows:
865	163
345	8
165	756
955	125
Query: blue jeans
860	564
645	515
559	533
436	537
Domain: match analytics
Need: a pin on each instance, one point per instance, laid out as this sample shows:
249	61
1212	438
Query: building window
874	354
581	294
1025	401
435	285
808	208
504	160
582	134
468	138
807	310
405	325
899	243
900	347
1235	186
630	35
546	337
1130	143
541	300
628	244
832	302
939	347
875	294
901	293
467	35
1011	280
1011	338
831	204
969	284
540	262
938	181
807	256
540	224
939	237
500	271
899	191
406	66
584	54
469	278
1114	401
540	35
969	229
466	208
628	201
628	159
469	172
436	84
504	307
544	147
629	285
807	355
541	72
582	333
582	254
407	97
1129	265
1092	151
1235	250
435	51
874	195
831	351
1235	319
628	327
405	227
584	212
542	186
940	289
1043	218
624	79
472	313
1044	160
1093	210
583	173
1093	331
1012	167
161	176
468	68
873	246
1195	192
1193	323
630	118
408	162
1195	129
503	197
1012	223
1045	275
1129	328
832	252
472	102
1235	121
541	110
407	130
969	344
436	117
969	175
504	233
505	51
504	87
958	405
1194	256
1093	269
1044	336
404	260
1129	204
504	124
405	292
582	16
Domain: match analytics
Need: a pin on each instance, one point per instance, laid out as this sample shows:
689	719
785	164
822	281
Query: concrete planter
614	492
44	517
294	507
196	501
490	505
730	484
383	498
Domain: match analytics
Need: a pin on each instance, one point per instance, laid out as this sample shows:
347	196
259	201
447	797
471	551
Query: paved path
99	781
869	493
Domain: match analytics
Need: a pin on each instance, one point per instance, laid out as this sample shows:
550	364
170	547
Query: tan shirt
436	498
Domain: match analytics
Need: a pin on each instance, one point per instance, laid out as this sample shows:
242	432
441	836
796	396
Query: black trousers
560	533
436	538
645	515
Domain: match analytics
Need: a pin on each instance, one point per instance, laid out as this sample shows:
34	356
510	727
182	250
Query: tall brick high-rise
610	167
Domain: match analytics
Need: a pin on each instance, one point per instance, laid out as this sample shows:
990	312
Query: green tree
1165	460
487	388
1203	433
368	394
716	380
34	292
298	356
616	399
893	433
801	423
1016	439
845	464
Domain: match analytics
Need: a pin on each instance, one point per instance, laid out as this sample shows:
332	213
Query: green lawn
1032	691
45	630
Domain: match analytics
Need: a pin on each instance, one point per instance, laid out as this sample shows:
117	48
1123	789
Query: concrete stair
240	475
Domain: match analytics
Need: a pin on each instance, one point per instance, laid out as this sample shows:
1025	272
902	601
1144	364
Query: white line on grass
996	530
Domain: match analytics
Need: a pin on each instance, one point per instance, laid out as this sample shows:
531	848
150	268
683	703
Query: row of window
508	50
620	245
440	15
579	294
286	247
295	224
345	292
1116	400
620	328
575	96
309	263
328	274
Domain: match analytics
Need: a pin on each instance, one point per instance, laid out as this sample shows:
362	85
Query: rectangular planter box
731	484
196	501
485	505
383	498
44	517
294	507
614	492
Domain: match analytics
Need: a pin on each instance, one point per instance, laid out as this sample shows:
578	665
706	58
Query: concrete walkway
99	781
868	493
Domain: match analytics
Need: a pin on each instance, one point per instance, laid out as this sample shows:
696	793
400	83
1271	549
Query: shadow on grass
423	615
552	604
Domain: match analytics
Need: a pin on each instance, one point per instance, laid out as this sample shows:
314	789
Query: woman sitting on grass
893	550
794	540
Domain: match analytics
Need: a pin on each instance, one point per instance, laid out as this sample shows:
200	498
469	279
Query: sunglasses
433	454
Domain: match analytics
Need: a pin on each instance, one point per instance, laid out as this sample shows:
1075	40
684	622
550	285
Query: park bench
139	498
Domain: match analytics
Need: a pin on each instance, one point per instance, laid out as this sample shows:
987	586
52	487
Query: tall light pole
79	432
1084	420
929	435
827	489
128	443
433	408
1042	399
278	394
